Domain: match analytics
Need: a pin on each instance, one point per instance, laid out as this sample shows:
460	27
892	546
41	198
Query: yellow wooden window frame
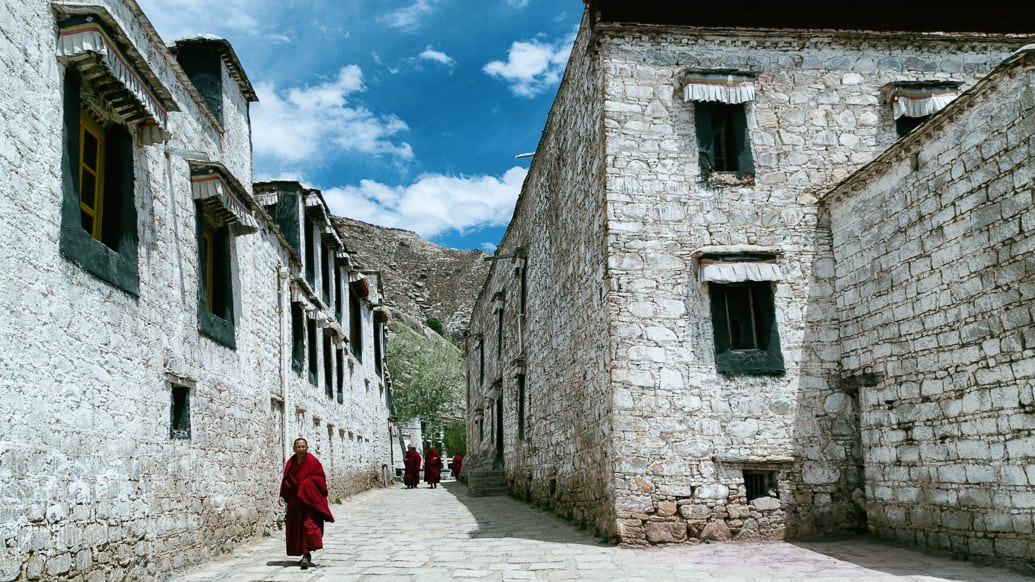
91	168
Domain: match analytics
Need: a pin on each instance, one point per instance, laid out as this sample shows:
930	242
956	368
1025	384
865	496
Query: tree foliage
427	377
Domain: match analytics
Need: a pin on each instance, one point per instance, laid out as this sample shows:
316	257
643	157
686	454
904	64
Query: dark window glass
722	136
314	365
297	336
744	327
328	367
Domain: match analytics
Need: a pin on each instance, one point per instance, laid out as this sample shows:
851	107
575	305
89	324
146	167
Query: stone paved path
396	534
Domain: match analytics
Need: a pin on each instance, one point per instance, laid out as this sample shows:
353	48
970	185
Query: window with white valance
720	118
913	103
741	291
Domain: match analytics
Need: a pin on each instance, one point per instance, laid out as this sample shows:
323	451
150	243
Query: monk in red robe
432	467
456	465
304	490
411	461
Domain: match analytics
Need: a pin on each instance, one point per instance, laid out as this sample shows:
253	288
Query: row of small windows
720	118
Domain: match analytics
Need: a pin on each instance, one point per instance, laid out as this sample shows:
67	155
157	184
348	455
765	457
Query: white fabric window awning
738	272
219	197
720	87
85	41
921	101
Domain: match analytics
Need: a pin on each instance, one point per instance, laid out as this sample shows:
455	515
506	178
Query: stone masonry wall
563	462
935	270
92	487
684	433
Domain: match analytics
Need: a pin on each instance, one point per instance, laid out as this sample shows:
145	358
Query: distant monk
432	467
411	460
304	489
456	465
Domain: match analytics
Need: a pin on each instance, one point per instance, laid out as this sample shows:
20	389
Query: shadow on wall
829	490
504	517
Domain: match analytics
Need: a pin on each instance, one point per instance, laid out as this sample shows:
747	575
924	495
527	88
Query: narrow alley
397	534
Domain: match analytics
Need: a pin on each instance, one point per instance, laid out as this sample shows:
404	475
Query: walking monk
432	467
411	476
304	489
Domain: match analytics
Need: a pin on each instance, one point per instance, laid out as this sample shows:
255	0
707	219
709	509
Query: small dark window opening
905	125
314	365
760	484
499	333
722	136
481	430
499	427
328	367
744	326
297	337
338	294
179	416
379	334
524	288
481	363
340	354
521	406
355	327
310	253
325	272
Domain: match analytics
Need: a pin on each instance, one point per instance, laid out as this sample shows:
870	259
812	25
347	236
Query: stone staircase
485	482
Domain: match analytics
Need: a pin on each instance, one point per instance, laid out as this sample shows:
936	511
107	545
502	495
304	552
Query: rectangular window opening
328	367
314	364
340	354
179	417
723	140
744	325
760	484
297	336
521	406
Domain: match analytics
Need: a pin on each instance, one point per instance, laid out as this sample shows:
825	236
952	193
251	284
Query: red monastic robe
411	477
432	467
458	463
304	489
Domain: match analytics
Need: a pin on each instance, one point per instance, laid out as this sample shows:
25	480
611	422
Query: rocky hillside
421	280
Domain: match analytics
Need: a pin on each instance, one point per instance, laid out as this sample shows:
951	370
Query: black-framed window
325	273
98	211
744	325
314	364
338	293
521	406
379	338
328	367
723	140
297	336
340	356
355	326
310	252
215	279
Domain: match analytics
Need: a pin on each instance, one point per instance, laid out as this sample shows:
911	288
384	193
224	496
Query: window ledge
720	179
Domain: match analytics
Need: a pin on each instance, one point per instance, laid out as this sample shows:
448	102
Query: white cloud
431	54
175	19
532	66
315	122
432	205
409	18
517	3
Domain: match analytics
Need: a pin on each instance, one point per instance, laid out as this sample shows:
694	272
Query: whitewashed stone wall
935	283
91	485
563	462
611	216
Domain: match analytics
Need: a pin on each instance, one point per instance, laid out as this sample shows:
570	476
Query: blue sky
405	113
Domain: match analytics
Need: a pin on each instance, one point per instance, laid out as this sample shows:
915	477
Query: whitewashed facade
151	307
659	353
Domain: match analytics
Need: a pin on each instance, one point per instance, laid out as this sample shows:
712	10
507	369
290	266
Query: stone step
483	483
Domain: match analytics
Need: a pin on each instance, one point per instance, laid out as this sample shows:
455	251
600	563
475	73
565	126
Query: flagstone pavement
399	534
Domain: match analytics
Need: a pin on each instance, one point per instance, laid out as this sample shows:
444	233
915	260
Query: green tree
427	377
456	438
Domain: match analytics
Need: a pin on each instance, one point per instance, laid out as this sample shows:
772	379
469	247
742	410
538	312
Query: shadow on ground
902	560
505	517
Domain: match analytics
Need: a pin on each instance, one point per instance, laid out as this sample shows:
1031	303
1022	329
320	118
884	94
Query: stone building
168	330
715	316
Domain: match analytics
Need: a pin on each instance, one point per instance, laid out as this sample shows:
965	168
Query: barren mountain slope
421	279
